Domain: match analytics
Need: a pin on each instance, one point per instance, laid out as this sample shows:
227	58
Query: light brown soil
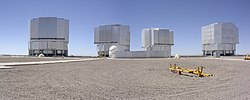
126	79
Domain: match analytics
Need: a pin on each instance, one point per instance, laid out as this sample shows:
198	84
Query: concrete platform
41	62
5	67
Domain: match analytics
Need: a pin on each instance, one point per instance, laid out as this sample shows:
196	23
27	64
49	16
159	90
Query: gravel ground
126	79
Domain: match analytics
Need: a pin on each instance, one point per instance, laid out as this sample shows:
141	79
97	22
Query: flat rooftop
125	79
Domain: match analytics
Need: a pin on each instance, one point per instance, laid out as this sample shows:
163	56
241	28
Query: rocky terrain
126	79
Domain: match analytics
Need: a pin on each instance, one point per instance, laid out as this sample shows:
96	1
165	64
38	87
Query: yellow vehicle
198	71
247	57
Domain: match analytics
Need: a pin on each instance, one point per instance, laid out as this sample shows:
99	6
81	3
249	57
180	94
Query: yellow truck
247	57
179	70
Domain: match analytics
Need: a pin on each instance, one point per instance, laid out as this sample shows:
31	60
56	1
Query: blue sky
184	17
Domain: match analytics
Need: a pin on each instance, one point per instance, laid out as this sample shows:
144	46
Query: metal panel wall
34	27
63	29
107	35
161	37
122	38
171	37
143	37
96	35
48	33
141	54
155	39
47	27
217	33
229	33
148	38
220	33
34	45
219	36
115	33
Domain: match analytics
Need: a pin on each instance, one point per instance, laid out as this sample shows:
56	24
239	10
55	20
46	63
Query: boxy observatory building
157	42
49	36
219	39
158	39
107	35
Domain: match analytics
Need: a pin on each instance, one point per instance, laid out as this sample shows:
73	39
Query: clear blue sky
184	17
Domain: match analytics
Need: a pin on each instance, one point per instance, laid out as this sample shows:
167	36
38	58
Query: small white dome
177	56
113	49
41	55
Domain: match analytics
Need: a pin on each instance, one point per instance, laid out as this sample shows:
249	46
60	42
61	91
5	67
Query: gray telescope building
108	35
49	36
219	39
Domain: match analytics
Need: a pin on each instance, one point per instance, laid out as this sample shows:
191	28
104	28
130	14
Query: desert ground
125	79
